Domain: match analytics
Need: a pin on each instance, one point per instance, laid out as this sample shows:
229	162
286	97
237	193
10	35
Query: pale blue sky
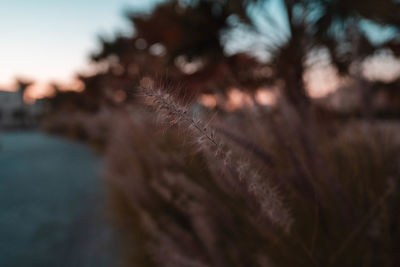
49	40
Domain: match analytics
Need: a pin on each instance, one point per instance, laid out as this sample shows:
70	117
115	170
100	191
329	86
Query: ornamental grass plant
253	187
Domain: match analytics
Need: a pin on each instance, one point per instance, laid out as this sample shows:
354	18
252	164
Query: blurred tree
182	42
185	43
22	85
311	25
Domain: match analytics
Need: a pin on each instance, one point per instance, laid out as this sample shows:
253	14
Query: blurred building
15	113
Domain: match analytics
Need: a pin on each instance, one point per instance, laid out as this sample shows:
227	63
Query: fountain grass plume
258	190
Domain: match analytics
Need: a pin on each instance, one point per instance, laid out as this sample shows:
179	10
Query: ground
52	203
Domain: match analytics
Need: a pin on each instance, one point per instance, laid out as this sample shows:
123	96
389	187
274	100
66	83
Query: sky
50	40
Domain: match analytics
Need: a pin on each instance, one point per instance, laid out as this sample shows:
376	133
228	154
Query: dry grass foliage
252	188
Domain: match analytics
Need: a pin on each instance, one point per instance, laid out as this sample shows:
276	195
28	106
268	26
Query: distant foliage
187	44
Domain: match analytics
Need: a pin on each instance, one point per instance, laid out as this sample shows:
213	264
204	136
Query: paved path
51	203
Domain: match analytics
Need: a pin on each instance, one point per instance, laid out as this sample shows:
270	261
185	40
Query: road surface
52	204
